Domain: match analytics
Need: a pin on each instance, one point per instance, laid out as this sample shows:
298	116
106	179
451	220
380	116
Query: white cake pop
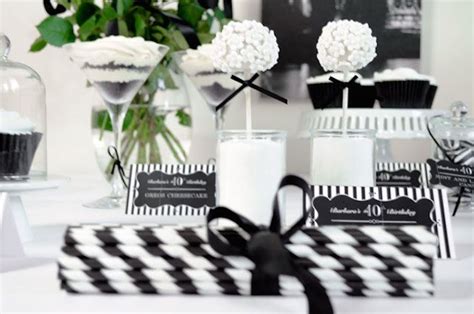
346	46
247	47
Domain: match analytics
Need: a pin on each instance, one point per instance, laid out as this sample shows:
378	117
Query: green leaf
179	39
205	38
123	6
109	13
157	36
64	3
85	12
123	28
56	31
183	118
103	121
38	45
140	25
87	28
219	14
204	26
190	11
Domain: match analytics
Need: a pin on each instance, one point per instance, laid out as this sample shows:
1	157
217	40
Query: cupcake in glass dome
325	94
402	88
18	144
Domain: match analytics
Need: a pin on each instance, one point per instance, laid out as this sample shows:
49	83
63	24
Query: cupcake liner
362	96
325	95
402	94
328	95
430	96
17	152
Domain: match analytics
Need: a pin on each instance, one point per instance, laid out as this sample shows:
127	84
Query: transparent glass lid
457	126
15	77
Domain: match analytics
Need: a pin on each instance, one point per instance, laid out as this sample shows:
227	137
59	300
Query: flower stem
171	146
177	142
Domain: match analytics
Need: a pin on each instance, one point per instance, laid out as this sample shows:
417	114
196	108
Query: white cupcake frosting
12	123
337	75
198	60
120	50
400	74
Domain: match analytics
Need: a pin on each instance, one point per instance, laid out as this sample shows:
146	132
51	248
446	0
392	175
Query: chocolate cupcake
325	94
18	144
401	88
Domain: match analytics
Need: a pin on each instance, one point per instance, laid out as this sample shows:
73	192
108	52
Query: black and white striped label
355	196
402	174
181	190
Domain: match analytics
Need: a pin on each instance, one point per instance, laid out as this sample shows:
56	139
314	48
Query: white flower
245	46
346	45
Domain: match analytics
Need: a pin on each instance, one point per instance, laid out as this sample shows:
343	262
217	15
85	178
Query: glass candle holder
250	166
341	157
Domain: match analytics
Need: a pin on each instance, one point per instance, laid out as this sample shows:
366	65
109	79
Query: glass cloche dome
22	119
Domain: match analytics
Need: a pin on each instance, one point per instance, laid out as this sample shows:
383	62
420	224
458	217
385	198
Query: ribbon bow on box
266	248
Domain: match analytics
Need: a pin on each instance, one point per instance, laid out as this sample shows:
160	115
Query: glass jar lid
456	126
15	77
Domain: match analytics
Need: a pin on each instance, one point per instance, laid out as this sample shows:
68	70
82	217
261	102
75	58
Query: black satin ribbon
113	153
266	248
51	10
451	159
249	83
340	85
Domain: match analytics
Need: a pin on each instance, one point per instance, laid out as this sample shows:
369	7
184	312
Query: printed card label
383	205
343	209
171	189
158	188
450	174
400	177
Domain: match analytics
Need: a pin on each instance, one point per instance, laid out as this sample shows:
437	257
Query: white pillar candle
343	158
250	167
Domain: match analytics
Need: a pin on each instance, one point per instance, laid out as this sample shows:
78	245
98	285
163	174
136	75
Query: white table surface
30	285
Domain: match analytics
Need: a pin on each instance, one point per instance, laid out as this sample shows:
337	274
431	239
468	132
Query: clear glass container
22	119
250	166
343	157
455	134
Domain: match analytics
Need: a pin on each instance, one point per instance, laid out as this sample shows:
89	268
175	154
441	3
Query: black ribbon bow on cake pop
266	248
340	85
446	154
249	83
117	164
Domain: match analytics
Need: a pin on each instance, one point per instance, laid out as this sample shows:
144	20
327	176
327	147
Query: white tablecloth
30	285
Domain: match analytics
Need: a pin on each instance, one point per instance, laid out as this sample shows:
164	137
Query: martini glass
213	85
117	67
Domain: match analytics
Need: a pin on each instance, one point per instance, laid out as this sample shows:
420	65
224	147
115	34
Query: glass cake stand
11	192
389	124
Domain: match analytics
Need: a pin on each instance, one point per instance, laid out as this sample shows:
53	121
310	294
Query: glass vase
149	135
